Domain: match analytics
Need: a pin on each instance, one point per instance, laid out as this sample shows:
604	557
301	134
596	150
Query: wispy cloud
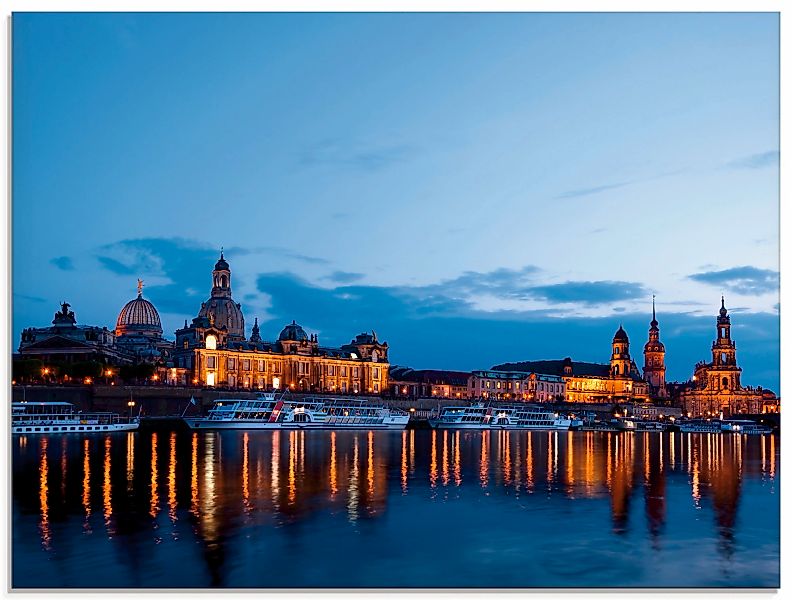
741	280
64	263
592	190
588	292
755	161
335	152
343	277
26	298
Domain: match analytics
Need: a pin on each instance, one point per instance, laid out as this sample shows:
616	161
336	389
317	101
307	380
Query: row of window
303	368
63	428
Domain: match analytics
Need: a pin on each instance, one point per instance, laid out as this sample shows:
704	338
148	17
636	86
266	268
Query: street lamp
130	404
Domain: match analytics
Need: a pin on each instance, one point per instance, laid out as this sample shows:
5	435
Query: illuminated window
210	379
376	373
232	363
211	342
343	371
276	383
210	362
355	373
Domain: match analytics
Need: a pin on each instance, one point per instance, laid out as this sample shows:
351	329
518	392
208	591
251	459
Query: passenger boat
650	426
266	411
745	427
60	417
506	416
699	426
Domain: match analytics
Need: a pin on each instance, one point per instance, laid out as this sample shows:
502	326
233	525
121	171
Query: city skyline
477	191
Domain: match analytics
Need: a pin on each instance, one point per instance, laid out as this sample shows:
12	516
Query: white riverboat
699	426
60	417
267	411
745	427
506	416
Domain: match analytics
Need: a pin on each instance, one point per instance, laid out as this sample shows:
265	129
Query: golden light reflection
570	450
245	473
555	453
172	478
772	456
672	449
608	460
154	508
354	479
23	440
764	456
445	457
107	489
209	508
549	458
457	460
661	453
506	445
292	466
695	482
484	463
130	466
275	468
194	476
529	467
370	464
333	467
412	452
44	524
302	451
404	462
63	466
433	463
86	495
646	456
590	459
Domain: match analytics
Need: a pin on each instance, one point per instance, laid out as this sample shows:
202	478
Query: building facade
716	388
654	360
67	342
213	351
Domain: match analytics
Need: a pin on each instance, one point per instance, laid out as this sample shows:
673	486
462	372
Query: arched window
616	370
211	342
725	382
223	281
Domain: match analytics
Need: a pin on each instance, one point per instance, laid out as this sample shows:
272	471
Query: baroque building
67	342
715	387
214	351
139	330
618	381
654	360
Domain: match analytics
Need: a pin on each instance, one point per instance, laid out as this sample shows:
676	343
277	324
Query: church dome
221	265
224	312
621	335
138	315
292	332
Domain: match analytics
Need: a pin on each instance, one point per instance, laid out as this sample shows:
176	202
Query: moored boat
501	416
745	427
699	426
60	417
266	411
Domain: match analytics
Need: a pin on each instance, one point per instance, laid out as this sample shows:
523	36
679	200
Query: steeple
653	324
654	358
221	278
254	334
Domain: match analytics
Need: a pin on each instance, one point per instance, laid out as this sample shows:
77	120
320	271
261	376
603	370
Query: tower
724	354
620	357
221	279
654	358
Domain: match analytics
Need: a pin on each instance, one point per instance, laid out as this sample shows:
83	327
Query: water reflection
226	490
44	524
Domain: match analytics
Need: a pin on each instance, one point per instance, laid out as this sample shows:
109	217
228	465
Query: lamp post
131	405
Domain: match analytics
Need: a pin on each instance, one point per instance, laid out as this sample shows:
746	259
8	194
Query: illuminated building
516	385
67	342
428	383
213	351
618	381
716	388
139	331
654	360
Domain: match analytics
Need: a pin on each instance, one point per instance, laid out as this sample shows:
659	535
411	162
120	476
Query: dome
654	346
621	335
221	264
224	312
138	315
293	332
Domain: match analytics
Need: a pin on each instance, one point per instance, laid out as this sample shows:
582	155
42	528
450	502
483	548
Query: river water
416	508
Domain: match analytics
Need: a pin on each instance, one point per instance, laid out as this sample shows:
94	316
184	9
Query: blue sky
477	188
